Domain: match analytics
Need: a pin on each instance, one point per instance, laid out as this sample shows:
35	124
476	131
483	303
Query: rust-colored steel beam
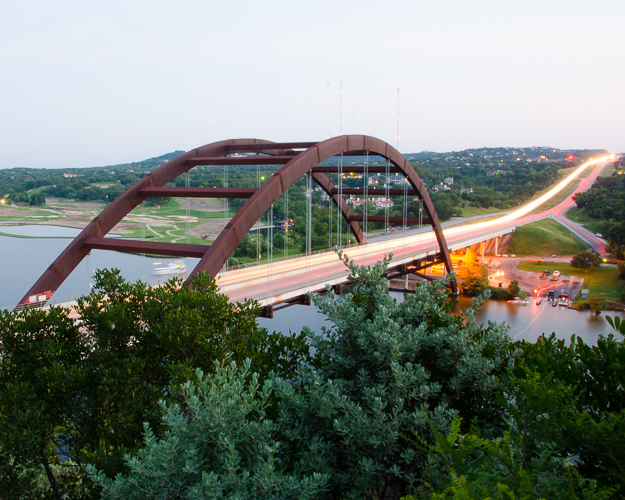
241	160
272	146
185	192
376	191
76	251
305	162
411	221
326	184
151	247
216	255
346	169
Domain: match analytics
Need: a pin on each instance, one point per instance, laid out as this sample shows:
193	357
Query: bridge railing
282	259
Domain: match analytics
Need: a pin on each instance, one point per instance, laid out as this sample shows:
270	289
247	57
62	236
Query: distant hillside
503	151
150	163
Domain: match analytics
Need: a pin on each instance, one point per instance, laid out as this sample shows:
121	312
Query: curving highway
283	280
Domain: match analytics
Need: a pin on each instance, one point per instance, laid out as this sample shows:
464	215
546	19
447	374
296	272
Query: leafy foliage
586	412
219	443
384	368
400	398
477	468
87	387
474	275
585	260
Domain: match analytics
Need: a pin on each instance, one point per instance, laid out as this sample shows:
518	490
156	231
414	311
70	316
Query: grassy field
601	282
579	215
545	237
563	195
473	211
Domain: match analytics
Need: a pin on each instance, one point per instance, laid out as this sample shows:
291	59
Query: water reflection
23	260
524	322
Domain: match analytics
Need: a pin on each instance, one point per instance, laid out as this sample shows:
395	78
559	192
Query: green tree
87	387
219	443
572	395
474	275
381	372
37	199
621	270
585	260
597	304
514	289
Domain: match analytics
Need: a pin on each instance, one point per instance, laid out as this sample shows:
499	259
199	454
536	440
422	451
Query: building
382	202
285	224
378	202
68	176
396	179
375	179
449	180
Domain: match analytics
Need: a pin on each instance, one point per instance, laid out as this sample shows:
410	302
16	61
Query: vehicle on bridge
286	224
293	161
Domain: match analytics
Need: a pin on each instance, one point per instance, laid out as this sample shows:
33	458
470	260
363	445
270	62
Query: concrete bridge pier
495	245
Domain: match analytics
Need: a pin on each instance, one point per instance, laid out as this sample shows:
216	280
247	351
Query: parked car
599	234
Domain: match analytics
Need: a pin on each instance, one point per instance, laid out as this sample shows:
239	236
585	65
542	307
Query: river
25	259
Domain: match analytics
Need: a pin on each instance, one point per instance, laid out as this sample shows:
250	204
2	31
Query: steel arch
213	257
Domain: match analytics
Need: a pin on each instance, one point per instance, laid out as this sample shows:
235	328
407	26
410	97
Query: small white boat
176	267
519	302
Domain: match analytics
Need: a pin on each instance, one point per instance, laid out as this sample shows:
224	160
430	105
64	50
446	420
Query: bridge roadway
282	281
285	280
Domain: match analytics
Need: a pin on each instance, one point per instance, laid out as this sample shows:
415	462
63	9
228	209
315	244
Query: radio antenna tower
397	119
341	107
371	113
329	120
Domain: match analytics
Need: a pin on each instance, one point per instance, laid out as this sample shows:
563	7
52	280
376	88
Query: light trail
287	275
531	206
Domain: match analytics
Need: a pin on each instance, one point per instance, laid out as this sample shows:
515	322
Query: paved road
313	272
529	281
594	242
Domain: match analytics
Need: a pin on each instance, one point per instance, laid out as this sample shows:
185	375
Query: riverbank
602	283
544	238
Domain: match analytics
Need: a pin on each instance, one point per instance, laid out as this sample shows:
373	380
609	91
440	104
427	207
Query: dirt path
208	205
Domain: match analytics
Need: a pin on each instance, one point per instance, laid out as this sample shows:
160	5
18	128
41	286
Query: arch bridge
298	159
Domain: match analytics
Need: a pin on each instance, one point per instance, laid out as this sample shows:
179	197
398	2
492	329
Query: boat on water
517	301
176	267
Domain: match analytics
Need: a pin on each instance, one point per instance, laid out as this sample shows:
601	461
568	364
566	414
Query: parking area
504	270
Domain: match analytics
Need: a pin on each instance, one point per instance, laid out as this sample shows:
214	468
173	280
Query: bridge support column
496	246
482	245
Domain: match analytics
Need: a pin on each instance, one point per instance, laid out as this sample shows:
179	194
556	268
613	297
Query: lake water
23	260
524	322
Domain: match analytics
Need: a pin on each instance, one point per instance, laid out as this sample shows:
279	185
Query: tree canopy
176	393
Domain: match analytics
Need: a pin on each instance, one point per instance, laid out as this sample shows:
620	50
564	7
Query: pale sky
88	83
